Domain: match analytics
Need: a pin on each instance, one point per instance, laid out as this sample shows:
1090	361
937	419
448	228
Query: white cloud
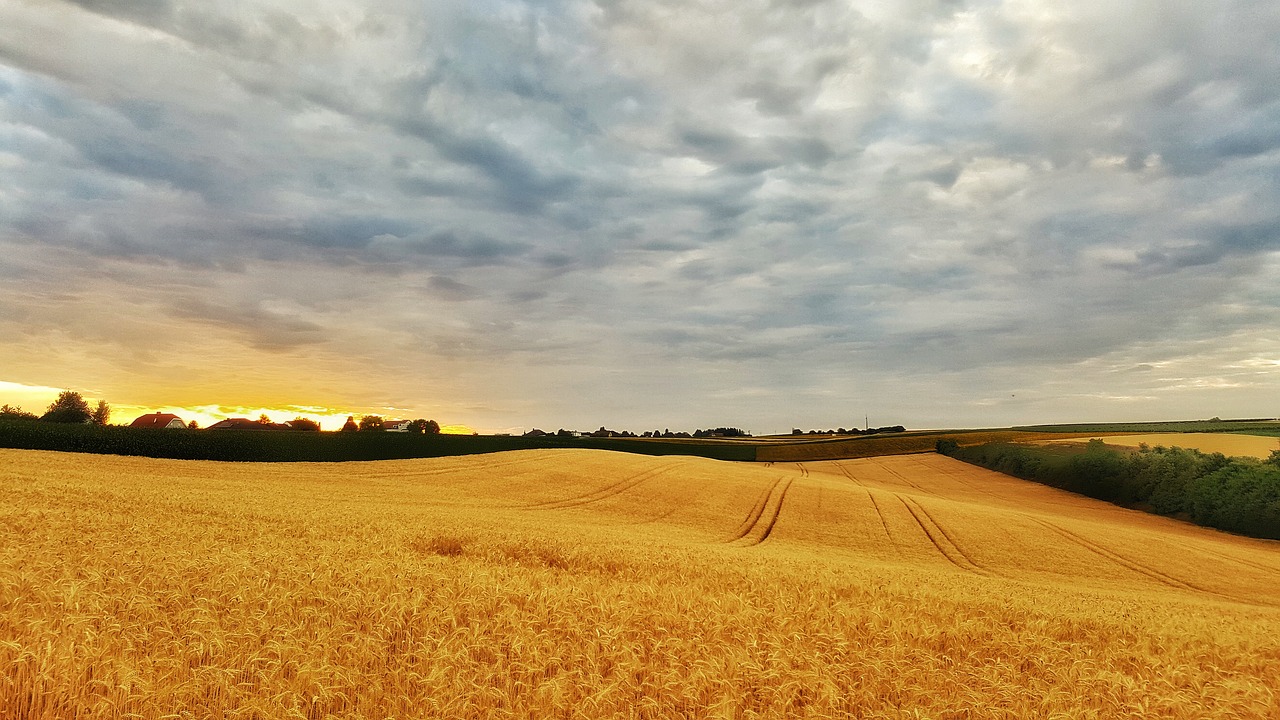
653	203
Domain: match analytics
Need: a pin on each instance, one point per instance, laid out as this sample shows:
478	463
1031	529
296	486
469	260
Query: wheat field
588	584
1235	444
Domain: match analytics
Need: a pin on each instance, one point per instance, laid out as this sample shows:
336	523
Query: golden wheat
1256	446
590	584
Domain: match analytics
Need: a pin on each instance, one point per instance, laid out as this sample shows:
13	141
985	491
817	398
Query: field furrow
603	493
950	541
753	516
1119	559
937	538
777	512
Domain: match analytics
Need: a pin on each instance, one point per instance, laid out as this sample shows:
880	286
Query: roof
245	424
155	420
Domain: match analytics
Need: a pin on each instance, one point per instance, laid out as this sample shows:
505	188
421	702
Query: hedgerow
284	446
1229	493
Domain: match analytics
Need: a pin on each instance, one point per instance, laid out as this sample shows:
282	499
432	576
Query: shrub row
1229	493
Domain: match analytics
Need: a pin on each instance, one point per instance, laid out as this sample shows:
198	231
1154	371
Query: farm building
397	425
246	424
161	420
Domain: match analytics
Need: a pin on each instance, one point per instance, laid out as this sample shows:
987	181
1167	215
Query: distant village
367	423
72	408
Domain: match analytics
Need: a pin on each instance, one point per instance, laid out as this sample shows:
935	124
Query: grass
580	583
1264	431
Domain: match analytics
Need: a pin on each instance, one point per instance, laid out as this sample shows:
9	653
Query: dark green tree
425	427
68	408
16	413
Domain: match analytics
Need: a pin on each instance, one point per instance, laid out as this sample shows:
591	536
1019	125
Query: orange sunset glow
36	398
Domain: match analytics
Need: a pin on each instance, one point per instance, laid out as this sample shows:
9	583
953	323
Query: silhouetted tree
304	424
68	408
16	413
424	427
193	425
371	423
350	425
263	419
101	414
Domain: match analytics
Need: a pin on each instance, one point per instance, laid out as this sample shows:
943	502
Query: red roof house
159	420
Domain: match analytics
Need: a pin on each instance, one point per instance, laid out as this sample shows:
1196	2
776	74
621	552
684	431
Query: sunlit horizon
37	398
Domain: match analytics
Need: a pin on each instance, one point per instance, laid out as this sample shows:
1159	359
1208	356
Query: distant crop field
838	448
1273	431
1231	444
1261	426
583	583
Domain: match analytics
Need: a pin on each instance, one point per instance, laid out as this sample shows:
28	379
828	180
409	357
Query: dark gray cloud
770	213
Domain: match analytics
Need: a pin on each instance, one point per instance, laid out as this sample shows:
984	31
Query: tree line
852	431
1236	494
377	423
604	432
70	407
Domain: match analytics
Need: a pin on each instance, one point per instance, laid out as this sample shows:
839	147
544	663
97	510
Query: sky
765	214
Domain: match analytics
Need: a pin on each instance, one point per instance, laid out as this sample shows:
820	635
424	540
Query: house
161	420
246	424
397	425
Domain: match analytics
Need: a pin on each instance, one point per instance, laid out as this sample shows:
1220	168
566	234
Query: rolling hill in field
583	583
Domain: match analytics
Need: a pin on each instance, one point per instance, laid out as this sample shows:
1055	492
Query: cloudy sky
570	213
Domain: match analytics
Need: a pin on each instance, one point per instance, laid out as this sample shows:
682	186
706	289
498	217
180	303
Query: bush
1237	494
1241	497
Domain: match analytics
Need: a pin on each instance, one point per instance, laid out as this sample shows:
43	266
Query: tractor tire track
950	540
879	513
766	507
480	466
601	493
904	479
849	474
951	557
753	515
777	511
1270	570
883	523
956	478
1144	570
